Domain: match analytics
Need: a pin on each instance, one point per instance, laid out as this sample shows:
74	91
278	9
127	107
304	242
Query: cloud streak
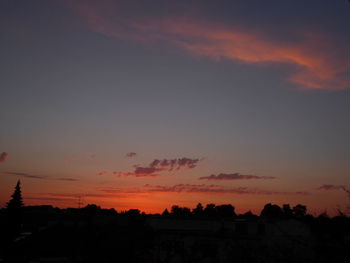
194	188
49	199
25	175
3	157
41	177
70	197
235	176
319	63
164	165
67	179
215	189
82	195
328	187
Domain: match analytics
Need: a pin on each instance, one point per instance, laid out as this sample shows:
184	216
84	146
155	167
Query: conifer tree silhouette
16	201
14	209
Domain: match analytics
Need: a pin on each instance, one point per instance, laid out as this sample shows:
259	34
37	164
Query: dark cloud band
235	176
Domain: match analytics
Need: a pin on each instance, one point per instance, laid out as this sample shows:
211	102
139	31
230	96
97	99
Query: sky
147	104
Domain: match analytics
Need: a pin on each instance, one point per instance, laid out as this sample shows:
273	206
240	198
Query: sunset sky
147	104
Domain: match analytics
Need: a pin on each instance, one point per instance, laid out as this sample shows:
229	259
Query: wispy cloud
215	189
157	166
26	175
41	177
3	157
81	195
320	64
50	199
328	187
130	155
71	197
66	179
194	188
235	176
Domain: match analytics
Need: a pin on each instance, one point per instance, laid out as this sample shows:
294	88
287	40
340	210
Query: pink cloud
3	157
235	176
164	165
320	63
144	171
139	172
177	164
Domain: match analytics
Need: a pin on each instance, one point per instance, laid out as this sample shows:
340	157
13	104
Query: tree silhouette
165	212
14	210
348	193
198	211
226	210
271	211
299	211
16	202
288	212
210	210
249	215
175	210
91	209
180	211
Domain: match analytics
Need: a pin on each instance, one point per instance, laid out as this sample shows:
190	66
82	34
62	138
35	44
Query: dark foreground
94	235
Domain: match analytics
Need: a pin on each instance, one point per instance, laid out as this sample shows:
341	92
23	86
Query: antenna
80	201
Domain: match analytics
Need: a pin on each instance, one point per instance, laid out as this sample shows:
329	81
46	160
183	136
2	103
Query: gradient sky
146	104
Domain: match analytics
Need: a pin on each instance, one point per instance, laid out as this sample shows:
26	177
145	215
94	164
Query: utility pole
80	201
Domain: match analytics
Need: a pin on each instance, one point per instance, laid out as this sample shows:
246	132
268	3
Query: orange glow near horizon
156	202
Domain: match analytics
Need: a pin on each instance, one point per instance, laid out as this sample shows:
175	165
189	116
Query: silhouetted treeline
270	211
204	233
211	232
210	210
